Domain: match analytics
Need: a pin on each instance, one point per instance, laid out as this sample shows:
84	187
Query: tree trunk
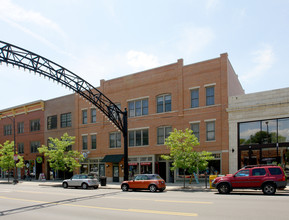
184	178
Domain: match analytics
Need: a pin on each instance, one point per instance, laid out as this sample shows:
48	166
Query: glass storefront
264	142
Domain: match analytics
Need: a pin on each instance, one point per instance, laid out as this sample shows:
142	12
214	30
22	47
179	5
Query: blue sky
105	39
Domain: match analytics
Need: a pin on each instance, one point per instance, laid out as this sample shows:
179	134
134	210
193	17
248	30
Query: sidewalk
170	186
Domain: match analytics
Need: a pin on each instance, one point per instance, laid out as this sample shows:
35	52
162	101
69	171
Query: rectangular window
20	127
195	127
51	122
210	131
93	142
115	140
84	117
34	146
35	125
21	148
138	108
84	142
210	95
194	98
65	120
164	103
163	133
7	130
93	115
139	138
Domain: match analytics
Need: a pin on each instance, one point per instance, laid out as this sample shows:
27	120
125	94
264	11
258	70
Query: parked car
81	180
268	178
152	182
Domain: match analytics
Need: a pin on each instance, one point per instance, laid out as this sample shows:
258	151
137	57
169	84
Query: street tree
181	145
59	154
7	156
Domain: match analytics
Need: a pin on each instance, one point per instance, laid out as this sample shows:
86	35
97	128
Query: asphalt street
34	201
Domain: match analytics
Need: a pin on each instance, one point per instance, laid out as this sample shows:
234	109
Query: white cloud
263	59
140	60
193	40
212	4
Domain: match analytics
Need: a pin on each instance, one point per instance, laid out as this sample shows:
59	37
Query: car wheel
269	189
84	186
152	188
224	188
124	187
65	185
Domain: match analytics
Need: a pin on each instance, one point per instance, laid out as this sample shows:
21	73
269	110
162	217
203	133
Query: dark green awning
113	158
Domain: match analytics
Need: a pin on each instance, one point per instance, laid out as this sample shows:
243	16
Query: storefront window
250	133
283	130
269	131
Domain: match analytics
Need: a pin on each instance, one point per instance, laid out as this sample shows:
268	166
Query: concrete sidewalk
170	186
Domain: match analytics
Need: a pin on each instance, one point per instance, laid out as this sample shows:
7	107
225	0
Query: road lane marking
103	208
158	200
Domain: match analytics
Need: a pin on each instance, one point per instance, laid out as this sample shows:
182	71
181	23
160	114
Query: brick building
29	134
160	100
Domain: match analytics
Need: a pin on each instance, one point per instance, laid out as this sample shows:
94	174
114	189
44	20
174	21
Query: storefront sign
132	164
145	163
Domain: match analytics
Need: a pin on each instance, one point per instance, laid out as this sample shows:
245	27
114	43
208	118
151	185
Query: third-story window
93	115
51	122
210	95
139	137
210	131
115	140
35	125
7	130
65	120
195	127
84	116
194	98
138	108
21	148
164	103
163	133
84	142
93	141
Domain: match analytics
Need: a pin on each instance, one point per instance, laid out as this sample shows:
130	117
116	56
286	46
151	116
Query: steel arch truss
20	57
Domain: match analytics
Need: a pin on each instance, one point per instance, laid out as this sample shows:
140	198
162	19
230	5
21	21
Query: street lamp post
14	139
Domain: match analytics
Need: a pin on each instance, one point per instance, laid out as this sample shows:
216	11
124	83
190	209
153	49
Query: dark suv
265	177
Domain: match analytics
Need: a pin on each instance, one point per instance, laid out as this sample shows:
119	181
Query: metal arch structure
16	56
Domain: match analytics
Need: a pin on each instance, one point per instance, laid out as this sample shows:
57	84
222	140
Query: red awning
132	164
146	163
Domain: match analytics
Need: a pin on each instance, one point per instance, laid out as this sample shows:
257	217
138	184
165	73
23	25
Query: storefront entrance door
115	173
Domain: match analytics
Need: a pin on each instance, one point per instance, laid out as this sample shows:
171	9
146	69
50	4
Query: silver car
81	180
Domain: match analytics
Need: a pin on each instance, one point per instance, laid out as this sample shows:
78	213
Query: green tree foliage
181	145
7	162
58	154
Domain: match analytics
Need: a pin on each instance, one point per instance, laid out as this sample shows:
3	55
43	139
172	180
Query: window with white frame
84	142
163	133
21	148
93	141
210	131
7	130
195	127
115	140
35	125
20	127
195	98
93	115
34	146
138	108
51	122
164	103
84	116
138	137
210	95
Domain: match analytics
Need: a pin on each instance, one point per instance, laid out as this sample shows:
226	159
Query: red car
152	182
265	177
